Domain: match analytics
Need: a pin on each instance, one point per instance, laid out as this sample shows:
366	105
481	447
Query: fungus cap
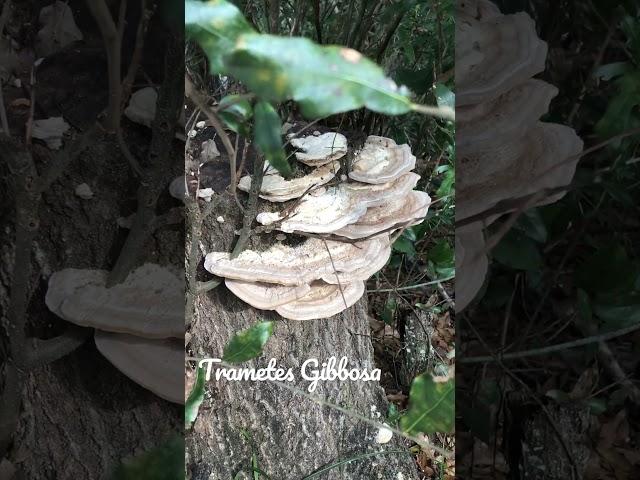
299	265
338	206
157	365
149	303
381	160
545	158
404	211
275	188
471	266
266	296
504	118
320	150
495	55
323	301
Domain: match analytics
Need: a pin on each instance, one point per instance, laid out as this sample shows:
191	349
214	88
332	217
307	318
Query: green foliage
404	243
622	112
249	343
441	260
389	312
268	137
195	399
324	80
216	26
235	111
165	462
518	251
431	406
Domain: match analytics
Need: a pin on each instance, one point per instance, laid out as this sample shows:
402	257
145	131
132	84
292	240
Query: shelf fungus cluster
506	155
139	323
347	222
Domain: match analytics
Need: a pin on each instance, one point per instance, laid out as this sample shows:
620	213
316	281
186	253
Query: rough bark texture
290	435
80	415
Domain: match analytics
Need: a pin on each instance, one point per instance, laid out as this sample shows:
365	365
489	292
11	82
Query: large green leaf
431	405
267	134
195	399
216	26
618	311
324	80
162	463
248	344
518	251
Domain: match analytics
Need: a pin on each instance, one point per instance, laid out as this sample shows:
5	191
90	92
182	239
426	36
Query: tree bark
291	436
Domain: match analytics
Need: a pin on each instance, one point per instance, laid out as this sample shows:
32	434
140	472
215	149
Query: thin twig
412	287
552	348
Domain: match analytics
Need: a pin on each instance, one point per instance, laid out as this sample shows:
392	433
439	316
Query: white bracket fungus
338	206
404	211
314	259
504	151
495	54
321	277
471	265
320	150
381	160
277	189
138	322
157	365
149	303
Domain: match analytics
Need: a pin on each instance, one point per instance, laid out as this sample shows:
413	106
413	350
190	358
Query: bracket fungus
338	206
157	365
320	277
138	322
505	153
276	188
381	160
320	150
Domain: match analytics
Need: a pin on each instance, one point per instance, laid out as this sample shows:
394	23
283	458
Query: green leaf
195	399
621	112
431	406
216	26
532	225
324	80
268	137
165	462
389	311
404	245
448	180
248	344
445	97
608	269
612	70
517	251
235	111
618	311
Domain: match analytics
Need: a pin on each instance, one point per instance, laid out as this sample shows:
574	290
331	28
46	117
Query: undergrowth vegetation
570	270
